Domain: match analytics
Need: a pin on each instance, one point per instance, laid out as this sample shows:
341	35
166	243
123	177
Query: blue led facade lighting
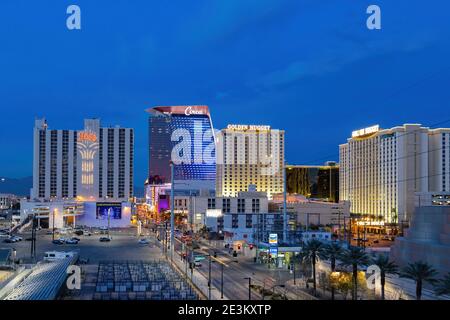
183	134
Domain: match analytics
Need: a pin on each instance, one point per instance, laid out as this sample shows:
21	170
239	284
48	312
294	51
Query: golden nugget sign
365	131
243	127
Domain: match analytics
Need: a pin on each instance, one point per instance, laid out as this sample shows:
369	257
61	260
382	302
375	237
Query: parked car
79	232
9	240
87	233
58	241
75	238
57	255
105	239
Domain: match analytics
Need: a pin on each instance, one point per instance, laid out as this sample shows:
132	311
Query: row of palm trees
356	257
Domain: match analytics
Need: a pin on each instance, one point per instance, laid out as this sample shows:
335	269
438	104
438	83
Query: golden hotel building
249	155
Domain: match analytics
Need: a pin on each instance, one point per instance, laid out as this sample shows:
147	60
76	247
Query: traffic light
251	247
239	247
215	254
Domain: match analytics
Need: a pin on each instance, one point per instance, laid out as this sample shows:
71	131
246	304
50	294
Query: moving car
58	241
71	241
143	241
105	239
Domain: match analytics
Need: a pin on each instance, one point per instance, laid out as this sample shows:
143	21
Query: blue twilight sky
310	67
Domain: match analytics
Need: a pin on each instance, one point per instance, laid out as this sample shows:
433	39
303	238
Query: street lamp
53	233
172	209
249	287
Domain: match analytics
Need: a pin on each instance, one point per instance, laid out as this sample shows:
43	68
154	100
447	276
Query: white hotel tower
249	155
381	169
93	164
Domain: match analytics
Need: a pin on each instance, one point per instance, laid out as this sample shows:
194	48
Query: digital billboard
114	210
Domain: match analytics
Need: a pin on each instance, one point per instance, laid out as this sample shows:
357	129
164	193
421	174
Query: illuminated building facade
315	182
184	135
249	155
93	164
381	169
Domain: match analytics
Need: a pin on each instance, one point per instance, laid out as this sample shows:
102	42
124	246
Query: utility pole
339	224
33	239
109	219
284	204
172	208
53	233
221	282
293	269
209	278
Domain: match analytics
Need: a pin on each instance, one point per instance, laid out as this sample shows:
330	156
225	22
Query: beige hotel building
249	155
382	169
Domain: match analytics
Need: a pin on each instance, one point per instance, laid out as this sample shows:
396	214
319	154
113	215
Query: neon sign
87	136
244	127
365	131
191	111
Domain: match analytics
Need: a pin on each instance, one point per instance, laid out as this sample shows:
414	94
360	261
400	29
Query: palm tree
420	272
354	257
386	267
444	286
310	252
331	252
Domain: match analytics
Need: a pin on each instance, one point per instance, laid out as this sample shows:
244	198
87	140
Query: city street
236	271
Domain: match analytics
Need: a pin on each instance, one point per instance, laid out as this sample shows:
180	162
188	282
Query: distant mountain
22	186
19	187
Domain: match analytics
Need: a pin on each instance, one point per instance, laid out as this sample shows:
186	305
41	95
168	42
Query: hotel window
241	205
211	203
226	205
235	221
248	221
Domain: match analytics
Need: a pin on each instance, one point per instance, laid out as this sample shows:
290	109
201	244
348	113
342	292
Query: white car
71	241
57	255
17	238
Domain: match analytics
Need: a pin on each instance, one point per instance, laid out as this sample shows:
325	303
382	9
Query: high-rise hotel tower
184	136
381	169
249	155
92	164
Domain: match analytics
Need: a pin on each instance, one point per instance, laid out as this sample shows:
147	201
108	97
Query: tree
386	267
331	252
420	272
354	257
443	287
310	252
